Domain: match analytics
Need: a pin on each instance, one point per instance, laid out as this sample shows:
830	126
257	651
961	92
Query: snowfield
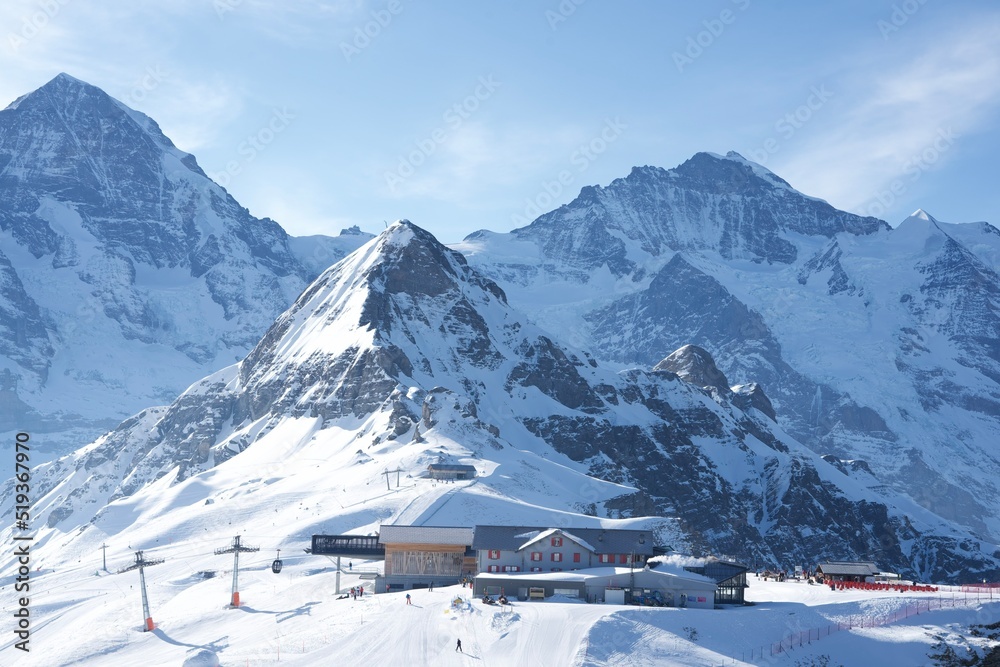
84	616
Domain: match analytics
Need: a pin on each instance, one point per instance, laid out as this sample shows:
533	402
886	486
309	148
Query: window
576	558
511	568
556	557
623	559
494	554
493	568
557	541
536	555
557	569
604	558
536	569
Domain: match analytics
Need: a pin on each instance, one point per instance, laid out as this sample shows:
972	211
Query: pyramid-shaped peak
402	234
64	79
67	99
67	87
730	171
920	222
696	366
921	214
407	259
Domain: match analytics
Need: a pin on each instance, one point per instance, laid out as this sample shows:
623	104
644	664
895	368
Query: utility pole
235	549
104	555
139	564
386	473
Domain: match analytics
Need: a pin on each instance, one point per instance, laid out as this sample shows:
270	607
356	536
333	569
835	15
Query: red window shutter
576	558
623	559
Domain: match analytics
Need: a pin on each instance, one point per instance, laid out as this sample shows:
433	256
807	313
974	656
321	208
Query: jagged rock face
751	395
402	342
684	304
738	209
696	366
866	339
120	253
693	364
71	142
24	338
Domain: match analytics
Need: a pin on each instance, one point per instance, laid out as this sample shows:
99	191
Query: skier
458	646
408	599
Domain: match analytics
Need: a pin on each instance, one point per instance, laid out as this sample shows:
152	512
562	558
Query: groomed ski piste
87	617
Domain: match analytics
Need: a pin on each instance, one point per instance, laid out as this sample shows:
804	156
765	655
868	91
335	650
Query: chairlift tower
387	472
139	564
235	549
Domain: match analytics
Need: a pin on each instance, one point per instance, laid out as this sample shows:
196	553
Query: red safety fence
984	587
768	653
866	586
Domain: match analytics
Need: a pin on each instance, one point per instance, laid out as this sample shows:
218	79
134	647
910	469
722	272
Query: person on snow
458	646
408	599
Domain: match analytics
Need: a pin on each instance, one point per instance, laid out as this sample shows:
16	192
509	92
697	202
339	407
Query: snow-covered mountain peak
68	105
62	86
403	289
732	169
923	215
920	221
119	253
921	234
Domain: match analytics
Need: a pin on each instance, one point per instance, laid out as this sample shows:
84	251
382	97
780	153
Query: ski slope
85	616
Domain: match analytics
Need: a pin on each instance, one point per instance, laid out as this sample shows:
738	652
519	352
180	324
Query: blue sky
469	115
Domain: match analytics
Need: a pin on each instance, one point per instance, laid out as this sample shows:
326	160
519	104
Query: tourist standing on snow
408	599
458	646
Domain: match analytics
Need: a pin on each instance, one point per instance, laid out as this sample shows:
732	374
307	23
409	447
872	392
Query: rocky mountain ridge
873	343
125	272
402	354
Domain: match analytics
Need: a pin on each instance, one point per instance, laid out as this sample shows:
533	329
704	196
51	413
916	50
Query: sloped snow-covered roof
848	568
615	576
457	535
600	540
557	531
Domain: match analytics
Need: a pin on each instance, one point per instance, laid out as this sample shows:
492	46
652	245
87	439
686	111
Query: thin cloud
477	158
950	90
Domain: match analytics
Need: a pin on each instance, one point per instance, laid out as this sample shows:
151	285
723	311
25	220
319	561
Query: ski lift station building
451	471
614	585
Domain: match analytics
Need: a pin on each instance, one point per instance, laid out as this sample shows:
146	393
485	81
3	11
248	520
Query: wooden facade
424	560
